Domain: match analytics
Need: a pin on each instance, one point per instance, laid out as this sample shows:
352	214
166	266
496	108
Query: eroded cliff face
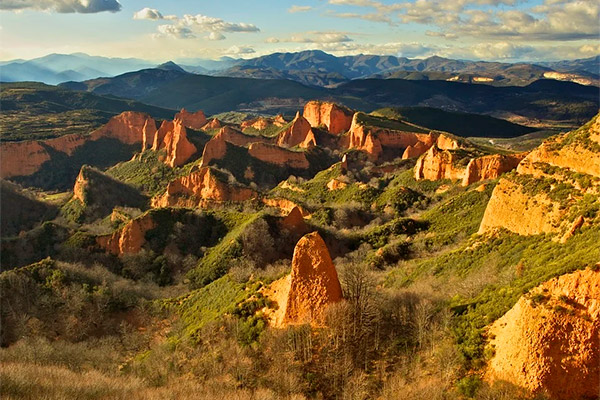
277	155
202	187
304	295
26	158
191	120
336	118
285	206
549	341
216	148
550	185
510	208
299	133
130	239
373	140
179	149
438	164
490	167
213	124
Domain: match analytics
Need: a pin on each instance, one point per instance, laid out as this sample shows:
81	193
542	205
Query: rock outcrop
510	208
490	167
213	124
130	238
202	187
373	140
336	118
438	164
285	206
304	295
191	120
179	149
27	157
172	136
549	182
549	342
299	133
294	222
262	123
277	155
216	148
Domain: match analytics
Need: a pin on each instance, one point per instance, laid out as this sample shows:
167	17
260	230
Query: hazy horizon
486	30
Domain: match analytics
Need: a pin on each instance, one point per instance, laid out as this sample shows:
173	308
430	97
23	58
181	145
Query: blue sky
160	30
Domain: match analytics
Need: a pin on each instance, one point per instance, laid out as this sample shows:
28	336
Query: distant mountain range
313	67
171	87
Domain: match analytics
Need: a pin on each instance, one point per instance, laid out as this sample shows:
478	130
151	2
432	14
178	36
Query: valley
169	235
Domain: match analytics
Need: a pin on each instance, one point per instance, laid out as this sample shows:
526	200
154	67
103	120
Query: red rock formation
213	124
191	120
490	167
372	140
158	142
416	150
277	155
80	184
438	164
26	158
506	209
130	238
215	149
299	133
279	120
179	148
261	123
337	119
313	284
336	184
294	222
552	346
528	212
258	123
285	206
200	188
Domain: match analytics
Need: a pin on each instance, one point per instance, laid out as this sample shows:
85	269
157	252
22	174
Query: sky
161	30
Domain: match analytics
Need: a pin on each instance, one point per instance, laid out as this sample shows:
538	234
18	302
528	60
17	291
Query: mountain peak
170	66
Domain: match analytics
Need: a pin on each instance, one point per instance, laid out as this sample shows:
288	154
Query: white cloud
216	36
62	6
148	13
239	50
298	9
207	24
320	37
190	26
174	31
272	40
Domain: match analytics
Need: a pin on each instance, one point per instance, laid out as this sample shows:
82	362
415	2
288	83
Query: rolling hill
33	110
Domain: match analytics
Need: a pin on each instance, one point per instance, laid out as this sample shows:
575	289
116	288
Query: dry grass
41	382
